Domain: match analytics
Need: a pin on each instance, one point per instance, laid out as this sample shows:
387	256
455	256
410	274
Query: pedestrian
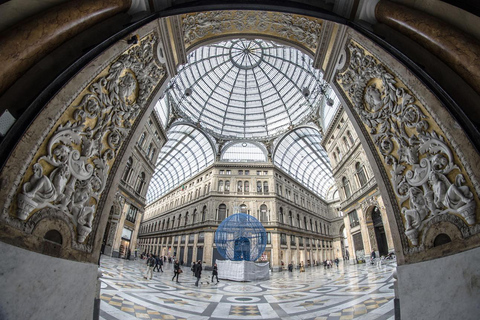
198	271
373	255
176	270
128	254
215	272
290	266
193	268
302	267
160	261
150	265
337	261
157	264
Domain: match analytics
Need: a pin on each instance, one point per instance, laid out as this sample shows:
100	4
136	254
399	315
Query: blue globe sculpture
241	237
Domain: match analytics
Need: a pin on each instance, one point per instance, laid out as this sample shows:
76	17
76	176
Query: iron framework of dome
241	237
247	89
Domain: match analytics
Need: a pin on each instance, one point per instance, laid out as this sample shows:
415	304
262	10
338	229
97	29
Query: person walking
157	264
336	262
215	272
176	270
160	263
290	266
302	267
150	265
198	271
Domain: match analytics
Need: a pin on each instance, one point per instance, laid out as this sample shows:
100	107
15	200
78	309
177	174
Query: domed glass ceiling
247	89
186	152
300	154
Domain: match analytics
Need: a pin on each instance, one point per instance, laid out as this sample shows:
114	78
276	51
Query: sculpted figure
418	210
373	97
82	213
40	189
452	196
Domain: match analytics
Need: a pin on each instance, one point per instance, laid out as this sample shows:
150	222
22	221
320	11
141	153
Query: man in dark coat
198	271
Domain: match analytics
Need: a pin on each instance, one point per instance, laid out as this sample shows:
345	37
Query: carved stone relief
303	30
428	179
70	174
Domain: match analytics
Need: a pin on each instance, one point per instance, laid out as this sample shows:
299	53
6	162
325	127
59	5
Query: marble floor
349	292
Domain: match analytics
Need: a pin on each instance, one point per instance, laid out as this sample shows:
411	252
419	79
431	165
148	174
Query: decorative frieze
69	174
427	178
305	31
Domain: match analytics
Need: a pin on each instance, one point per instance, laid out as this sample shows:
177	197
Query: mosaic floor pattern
361	292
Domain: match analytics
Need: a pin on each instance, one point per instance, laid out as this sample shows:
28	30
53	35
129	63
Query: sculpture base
243	270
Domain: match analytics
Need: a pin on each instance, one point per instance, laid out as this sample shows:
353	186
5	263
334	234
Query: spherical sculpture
241	237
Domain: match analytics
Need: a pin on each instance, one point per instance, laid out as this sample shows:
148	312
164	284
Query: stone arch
361	99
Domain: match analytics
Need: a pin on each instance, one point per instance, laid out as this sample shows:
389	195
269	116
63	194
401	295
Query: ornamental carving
426	177
72	174
198	26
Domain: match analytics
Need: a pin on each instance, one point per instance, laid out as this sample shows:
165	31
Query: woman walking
215	272
176	270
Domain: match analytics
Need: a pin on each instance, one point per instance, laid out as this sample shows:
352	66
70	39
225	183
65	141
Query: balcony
364	189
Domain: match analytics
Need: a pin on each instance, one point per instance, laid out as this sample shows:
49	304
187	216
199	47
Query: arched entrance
379	230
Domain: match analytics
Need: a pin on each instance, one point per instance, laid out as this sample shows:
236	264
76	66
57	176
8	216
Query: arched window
220	185
335	157
186	218
281	215
227	185
298	220
204	213
259	187
153	154
345	142
243	208
240	186
339	153
149	149
194	216
265	186
141	141
311	225
362	178
128	169
346	187
305	225
140	182
246	186
179	220
350	137
263	213
163	224
316	227
290	218
222	212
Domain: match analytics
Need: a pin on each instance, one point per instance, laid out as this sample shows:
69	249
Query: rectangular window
247	172
240	172
229	172
222	172
292	241
259	172
353	217
269	238
132	214
265	173
283	239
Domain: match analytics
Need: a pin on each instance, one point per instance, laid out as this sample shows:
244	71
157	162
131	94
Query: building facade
365	223
120	238
182	223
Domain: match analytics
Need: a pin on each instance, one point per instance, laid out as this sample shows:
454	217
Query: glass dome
247	89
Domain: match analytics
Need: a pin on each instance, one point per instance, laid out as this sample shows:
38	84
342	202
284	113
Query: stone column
29	41
208	249
458	50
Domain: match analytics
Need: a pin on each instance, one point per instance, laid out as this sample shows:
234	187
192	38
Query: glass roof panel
233	88
244	152
186	153
301	155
